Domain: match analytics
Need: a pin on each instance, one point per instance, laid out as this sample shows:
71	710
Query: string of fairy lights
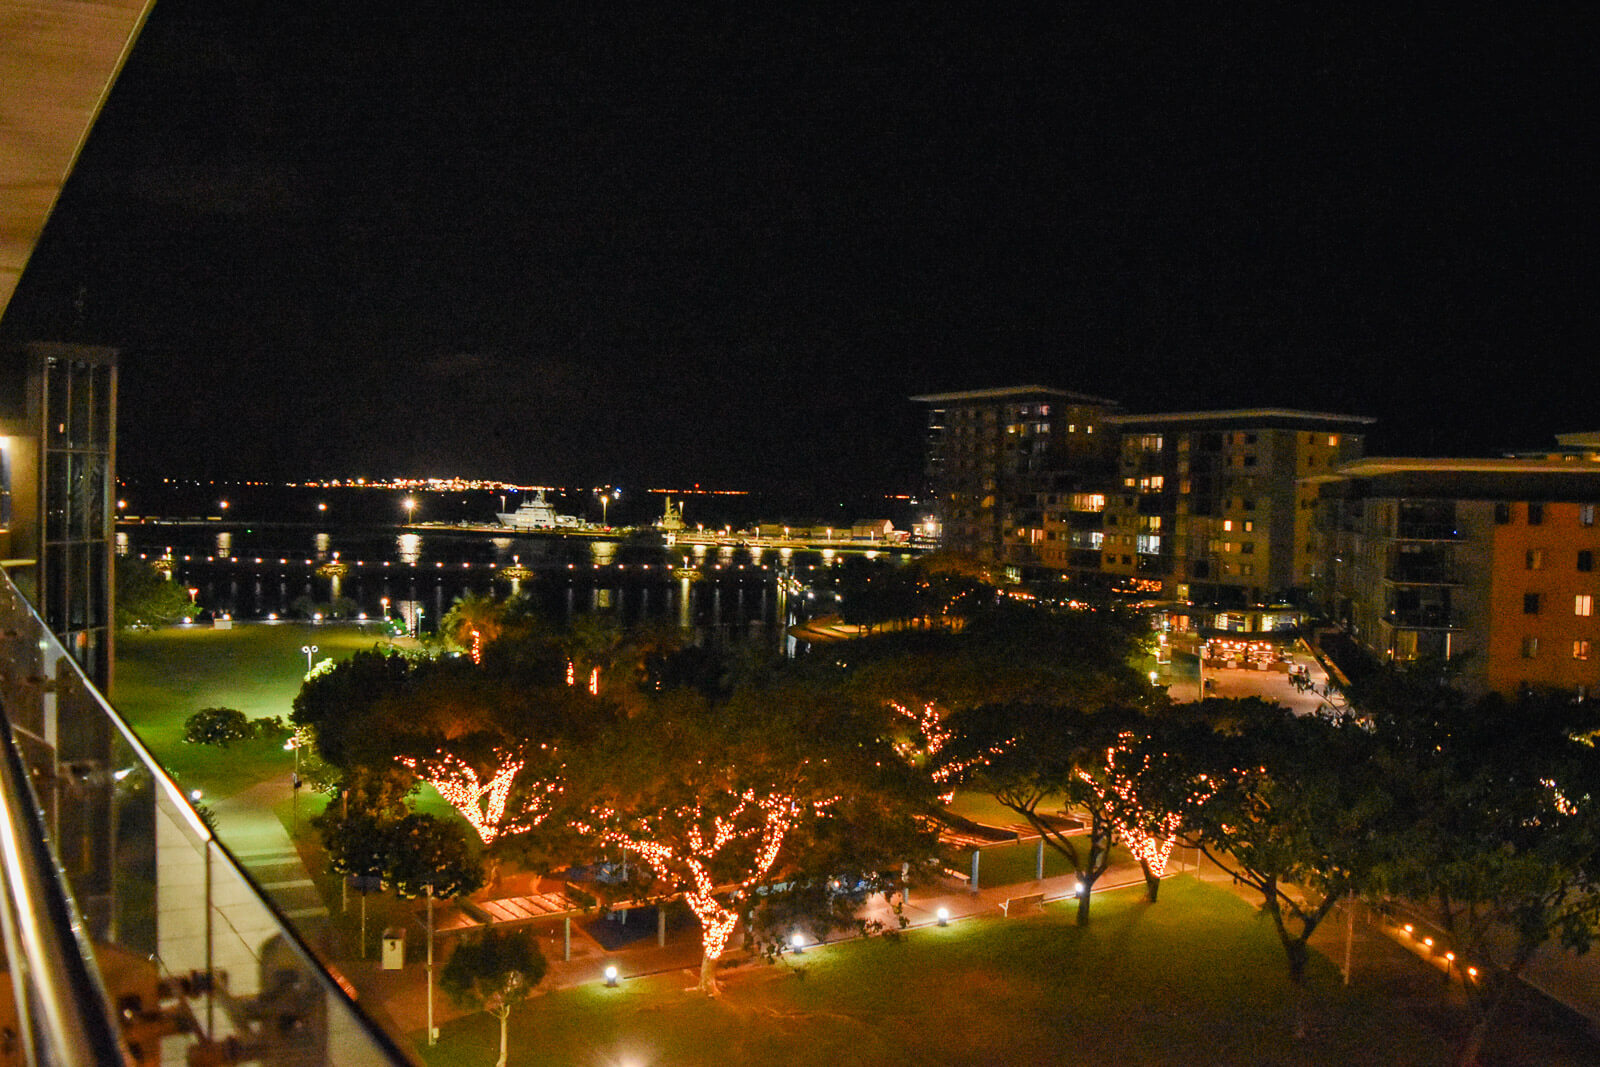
1130	821
773	817
484	804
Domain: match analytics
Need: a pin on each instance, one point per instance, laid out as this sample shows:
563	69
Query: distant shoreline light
454	485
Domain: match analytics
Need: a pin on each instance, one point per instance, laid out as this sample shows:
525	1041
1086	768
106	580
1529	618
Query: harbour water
262	570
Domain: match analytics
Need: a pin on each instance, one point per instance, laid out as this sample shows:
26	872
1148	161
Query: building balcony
1421	619
1426	531
1423	576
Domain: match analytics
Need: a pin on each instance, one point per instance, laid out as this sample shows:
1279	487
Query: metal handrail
49	904
63	1011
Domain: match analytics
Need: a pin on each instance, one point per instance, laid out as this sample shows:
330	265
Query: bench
1026	903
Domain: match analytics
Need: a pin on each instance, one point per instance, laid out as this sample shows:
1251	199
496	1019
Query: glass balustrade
188	955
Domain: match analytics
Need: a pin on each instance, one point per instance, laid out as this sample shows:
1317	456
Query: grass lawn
983	808
1196	979
164	676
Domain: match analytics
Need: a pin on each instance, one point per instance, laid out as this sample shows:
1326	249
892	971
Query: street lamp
293	745
309	650
606	496
410	505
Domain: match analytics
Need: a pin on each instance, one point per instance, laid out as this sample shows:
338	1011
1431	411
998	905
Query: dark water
259	570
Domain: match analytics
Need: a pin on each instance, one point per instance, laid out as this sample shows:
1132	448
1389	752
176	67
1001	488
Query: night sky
581	243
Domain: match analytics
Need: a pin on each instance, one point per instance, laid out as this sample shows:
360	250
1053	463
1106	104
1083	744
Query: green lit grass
983	808
164	676
1196	979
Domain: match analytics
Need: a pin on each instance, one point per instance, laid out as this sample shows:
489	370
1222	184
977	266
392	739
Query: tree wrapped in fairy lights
712	850
487	801
718	801
1030	757
1150	829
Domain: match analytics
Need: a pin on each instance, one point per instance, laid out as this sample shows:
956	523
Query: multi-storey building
1210	506
1200	505
999	458
1487	562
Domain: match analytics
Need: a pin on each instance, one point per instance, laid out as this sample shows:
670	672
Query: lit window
1333	440
1533	559
1580	650
1227	524
1249	525
1586	514
1530	647
1583	604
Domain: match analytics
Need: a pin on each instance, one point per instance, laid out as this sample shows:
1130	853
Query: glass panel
193	957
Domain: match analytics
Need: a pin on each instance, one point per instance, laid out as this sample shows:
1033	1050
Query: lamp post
410	505
433	1035
606	496
293	745
309	650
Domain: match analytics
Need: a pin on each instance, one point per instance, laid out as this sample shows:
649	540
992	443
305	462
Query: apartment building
998	459
1204	505
1488	562
1211	505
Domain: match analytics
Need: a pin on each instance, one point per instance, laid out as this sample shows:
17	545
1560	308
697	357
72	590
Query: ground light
611	975
944	916
798	943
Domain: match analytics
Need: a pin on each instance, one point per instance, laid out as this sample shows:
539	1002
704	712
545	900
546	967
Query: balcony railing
131	933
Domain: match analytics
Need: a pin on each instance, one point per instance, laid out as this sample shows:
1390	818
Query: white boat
537	514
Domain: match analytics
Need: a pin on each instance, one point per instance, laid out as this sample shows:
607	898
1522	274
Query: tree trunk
1152	882
1473	1045
505	1026
1083	906
708	977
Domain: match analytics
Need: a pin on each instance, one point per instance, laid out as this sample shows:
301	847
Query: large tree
1031	757
718	800
148	597
1502	846
1297	808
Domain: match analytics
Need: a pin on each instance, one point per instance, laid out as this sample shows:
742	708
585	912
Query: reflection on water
266	572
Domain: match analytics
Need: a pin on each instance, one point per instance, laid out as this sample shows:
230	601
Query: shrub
218	726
